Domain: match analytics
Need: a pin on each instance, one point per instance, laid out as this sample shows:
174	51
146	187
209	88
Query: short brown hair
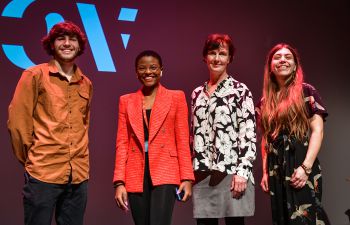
215	40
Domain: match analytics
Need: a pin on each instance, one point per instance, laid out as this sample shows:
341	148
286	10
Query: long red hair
284	111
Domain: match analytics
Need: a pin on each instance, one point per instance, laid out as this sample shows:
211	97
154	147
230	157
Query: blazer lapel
135	116
159	112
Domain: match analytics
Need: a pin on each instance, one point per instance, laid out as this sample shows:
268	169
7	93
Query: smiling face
66	48
218	59
148	71
283	64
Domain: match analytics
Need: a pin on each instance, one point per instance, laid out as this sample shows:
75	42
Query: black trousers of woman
154	206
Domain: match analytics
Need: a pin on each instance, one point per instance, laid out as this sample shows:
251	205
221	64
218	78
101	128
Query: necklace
150	101
144	112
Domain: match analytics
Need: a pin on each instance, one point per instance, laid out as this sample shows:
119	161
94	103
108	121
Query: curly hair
60	29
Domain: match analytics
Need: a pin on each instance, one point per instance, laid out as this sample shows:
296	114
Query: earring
161	73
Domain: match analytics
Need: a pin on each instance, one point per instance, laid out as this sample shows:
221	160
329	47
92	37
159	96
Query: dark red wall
177	30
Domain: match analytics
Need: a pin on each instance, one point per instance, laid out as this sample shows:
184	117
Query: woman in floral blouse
223	140
291	115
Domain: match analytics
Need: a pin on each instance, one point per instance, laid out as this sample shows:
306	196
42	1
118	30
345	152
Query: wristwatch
306	169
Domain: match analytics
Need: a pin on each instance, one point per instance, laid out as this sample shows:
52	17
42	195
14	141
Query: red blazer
168	144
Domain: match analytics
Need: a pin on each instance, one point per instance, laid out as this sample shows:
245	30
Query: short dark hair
215	40
60	29
148	53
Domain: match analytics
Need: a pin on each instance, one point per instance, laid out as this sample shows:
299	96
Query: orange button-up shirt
48	123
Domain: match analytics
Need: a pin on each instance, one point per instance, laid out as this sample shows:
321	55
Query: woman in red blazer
152	151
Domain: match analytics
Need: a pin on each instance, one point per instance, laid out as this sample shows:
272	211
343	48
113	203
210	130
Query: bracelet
115	185
306	169
191	181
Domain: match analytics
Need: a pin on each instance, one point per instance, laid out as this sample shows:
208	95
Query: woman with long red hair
291	115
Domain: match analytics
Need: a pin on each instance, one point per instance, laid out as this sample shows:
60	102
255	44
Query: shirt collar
77	76
221	85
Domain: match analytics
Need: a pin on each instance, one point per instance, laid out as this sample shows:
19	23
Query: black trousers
41	199
215	221
154	206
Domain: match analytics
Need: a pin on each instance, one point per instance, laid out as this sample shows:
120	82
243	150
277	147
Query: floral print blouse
223	129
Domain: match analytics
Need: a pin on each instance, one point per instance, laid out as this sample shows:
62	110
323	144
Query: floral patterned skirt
292	206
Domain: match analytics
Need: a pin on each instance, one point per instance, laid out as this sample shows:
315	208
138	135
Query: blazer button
132	134
133	149
163	131
162	146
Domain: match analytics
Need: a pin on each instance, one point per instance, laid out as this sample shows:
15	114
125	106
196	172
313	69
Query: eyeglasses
143	69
